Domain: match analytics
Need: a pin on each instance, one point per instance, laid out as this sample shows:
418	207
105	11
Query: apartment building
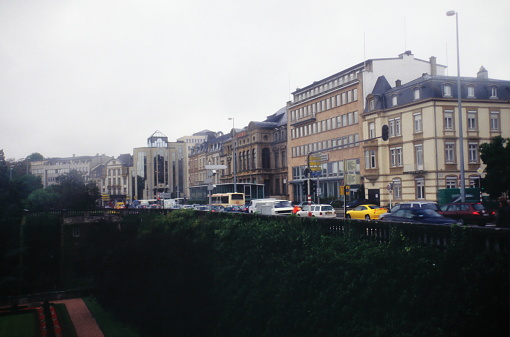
261	153
422	153
325	119
51	168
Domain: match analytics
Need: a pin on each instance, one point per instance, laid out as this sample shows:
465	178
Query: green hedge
206	274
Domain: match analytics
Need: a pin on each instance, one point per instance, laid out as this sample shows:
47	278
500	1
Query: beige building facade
325	121
422	154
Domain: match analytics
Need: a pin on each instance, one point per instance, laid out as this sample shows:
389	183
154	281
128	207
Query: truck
274	207
172	203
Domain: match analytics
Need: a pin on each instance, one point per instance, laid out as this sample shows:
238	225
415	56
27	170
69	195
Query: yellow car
367	212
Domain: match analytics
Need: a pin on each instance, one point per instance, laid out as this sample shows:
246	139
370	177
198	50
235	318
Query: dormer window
447	90
371	104
471	91
416	93
394	100
494	92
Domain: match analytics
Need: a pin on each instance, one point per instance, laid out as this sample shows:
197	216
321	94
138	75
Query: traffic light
305	187
313	186
342	190
385	132
347	190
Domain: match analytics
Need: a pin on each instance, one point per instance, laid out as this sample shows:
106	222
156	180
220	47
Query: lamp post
234	146
459	100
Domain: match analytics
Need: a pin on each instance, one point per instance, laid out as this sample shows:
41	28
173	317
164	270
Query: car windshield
282	204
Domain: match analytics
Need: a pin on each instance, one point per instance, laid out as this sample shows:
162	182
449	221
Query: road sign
316	173
215	167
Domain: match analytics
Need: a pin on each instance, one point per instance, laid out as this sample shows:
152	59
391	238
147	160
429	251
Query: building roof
433	87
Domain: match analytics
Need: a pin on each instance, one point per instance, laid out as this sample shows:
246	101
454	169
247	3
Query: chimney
482	73
433	66
398	83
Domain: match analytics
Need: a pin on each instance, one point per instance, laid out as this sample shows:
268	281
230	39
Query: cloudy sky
100	76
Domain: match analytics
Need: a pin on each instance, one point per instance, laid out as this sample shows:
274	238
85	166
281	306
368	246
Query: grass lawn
22	324
108	323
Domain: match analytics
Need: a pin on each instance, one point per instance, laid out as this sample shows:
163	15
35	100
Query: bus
227	199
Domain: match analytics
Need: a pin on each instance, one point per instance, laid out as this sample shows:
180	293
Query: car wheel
367	217
462	222
348	216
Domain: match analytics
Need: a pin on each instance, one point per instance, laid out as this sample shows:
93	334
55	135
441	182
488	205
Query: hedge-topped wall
204	274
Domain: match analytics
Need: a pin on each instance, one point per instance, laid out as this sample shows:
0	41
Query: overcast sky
100	76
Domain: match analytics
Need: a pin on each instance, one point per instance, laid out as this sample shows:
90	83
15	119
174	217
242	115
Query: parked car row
468	213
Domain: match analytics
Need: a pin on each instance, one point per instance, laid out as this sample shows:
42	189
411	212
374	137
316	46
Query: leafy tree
36	156
74	192
42	199
496	155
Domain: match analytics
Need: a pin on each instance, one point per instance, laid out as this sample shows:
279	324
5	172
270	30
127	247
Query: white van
253	203
274	207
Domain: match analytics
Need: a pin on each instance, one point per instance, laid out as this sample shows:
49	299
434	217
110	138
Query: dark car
356	203
419	215
468	213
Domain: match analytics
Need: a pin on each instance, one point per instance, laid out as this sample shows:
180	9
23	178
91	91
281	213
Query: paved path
84	324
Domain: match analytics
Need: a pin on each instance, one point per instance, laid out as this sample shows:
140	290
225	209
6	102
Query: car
217	208
318	211
419	215
412	205
367	212
468	213
233	208
356	203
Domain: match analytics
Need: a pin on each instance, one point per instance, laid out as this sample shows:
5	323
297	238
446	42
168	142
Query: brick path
84	324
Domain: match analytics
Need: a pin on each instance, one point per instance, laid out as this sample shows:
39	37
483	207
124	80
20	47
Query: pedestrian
296	209
503	213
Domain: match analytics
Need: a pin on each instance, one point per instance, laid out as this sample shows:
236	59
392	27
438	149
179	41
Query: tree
496	155
42	200
74	192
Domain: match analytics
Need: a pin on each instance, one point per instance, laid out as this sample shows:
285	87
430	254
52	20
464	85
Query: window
397	189
473	153
448	120
494	120
371	104
420	188
418	150
394	127
371	130
447	90
449	153
370	159
471	91
417	123
494	92
394	100
471	120
396	157
451	182
416	93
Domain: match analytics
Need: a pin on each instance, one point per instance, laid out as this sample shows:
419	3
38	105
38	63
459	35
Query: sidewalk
84	324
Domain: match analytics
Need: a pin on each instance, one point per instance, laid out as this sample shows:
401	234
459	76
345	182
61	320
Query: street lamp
459	100
234	153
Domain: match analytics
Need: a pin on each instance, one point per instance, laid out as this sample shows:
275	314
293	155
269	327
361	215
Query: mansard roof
433	87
